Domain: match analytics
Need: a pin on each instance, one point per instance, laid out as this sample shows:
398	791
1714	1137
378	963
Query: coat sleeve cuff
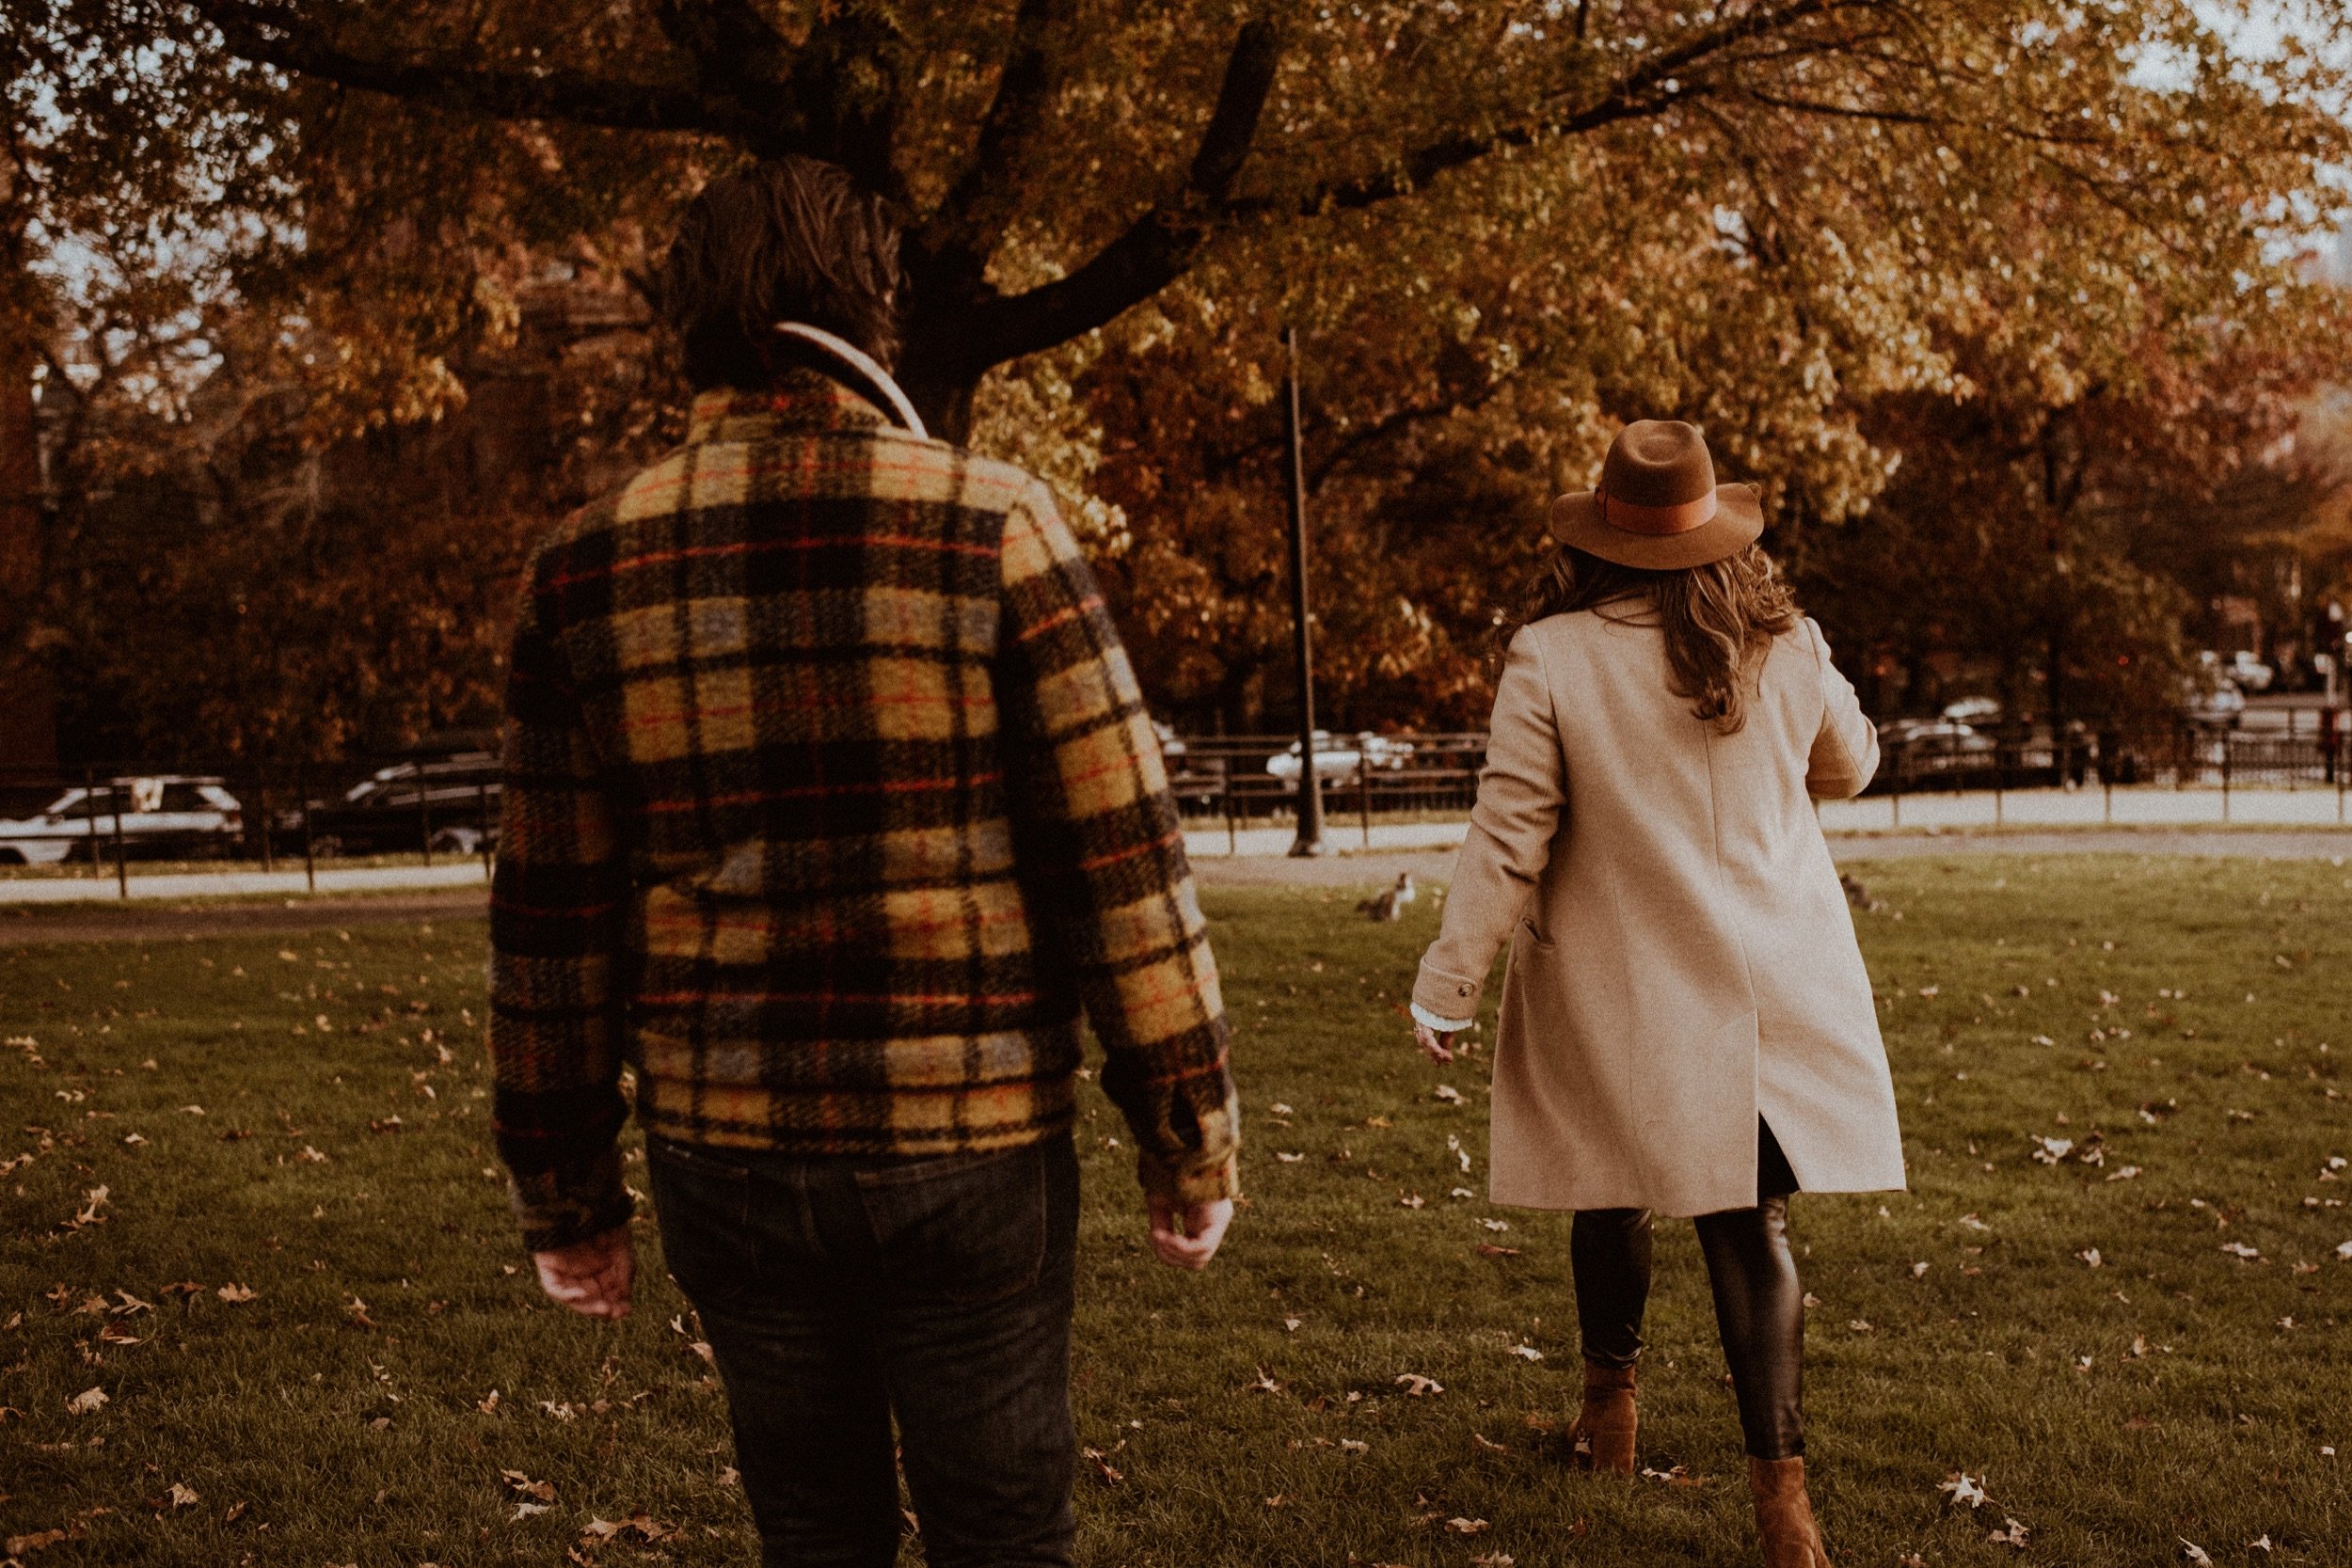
560	1207
1189	1186
1443	1025
1446	995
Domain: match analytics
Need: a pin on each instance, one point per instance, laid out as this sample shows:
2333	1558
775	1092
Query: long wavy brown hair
1718	618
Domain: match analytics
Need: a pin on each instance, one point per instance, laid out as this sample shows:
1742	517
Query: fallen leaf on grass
1489	1444
1964	1488
641	1523
2013	1534
1680	1476
234	1294
1408	1200
1448	1093
1496	1224
86	1401
1494	1560
2090	1256
2239	1249
1487	1249
489	1404
1416	1385
1465	1527
1351	1445
562	1412
182	1496
2261	1544
525	1511
19	1544
1527	1353
543	1490
1110	1473
2195	1553
1265	1385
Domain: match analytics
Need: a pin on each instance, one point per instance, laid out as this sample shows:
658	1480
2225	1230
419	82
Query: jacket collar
799	399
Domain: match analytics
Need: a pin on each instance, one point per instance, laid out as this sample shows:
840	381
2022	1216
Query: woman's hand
1437	1047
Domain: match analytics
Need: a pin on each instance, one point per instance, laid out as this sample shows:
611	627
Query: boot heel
1784	1515
1604	1428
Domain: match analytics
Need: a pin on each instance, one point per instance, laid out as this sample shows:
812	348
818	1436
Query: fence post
1895	795
2000	777
482	814
309	850
89	814
122	850
2228	751
424	817
1225	798
1363	794
269	829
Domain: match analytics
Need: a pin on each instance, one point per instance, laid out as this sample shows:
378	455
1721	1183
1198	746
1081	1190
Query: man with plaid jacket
830	802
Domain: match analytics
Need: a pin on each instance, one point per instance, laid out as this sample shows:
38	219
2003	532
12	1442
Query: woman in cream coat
1687	1026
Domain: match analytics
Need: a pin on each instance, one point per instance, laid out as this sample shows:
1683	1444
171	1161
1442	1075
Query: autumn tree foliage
1882	249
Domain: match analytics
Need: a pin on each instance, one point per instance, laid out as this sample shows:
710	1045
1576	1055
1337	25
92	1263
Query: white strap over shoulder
866	366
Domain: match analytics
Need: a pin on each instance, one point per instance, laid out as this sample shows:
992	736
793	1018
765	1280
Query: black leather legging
1760	1305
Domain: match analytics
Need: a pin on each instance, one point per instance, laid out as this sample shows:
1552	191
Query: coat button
1461	991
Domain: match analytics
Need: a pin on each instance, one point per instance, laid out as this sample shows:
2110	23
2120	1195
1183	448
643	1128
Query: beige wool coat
1682	957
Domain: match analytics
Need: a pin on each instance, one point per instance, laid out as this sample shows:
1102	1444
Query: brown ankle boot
1605	1424
1784	1515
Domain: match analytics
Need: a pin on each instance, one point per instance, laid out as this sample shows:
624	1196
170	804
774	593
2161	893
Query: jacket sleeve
557	912
1845	753
1520	795
1102	859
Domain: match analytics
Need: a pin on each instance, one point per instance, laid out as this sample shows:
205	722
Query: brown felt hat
1658	505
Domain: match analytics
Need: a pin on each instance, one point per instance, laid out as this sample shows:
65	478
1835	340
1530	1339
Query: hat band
1657	521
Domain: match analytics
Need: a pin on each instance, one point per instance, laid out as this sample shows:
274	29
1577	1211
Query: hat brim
1739	522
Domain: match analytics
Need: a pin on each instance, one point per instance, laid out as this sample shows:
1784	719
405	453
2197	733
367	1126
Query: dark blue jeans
839	1292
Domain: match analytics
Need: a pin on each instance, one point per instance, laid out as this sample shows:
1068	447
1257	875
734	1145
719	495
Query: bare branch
980	205
275	35
1156	247
1641	92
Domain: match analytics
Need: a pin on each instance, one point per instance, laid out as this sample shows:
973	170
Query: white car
2248	672
159	815
1341	759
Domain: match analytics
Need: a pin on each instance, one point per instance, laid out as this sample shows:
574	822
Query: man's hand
1185	1235
594	1278
1436	1047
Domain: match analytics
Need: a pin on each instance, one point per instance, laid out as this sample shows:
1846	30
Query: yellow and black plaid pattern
830	802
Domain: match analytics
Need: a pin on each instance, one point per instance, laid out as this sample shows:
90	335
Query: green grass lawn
2183	1021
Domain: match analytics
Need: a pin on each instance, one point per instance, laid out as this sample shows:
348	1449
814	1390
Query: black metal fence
101	819
95	821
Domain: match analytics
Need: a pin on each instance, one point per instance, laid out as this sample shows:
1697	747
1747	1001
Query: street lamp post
1310	840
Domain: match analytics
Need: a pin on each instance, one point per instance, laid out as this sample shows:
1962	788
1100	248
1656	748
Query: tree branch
1155	248
729	39
274	35
1641	92
977	208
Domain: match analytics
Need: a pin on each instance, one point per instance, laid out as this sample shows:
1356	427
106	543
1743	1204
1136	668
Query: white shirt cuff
1443	1025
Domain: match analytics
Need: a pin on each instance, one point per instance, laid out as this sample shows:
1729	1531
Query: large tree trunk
28	721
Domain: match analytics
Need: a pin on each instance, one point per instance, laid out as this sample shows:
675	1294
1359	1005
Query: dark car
450	803
1913	751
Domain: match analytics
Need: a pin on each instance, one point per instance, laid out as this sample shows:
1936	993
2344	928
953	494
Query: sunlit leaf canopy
1504	229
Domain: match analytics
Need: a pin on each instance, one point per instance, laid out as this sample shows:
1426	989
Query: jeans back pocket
968	1229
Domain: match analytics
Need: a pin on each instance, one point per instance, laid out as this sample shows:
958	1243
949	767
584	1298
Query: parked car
384	813
2212	701
1939	749
1341	759
161	817
1974	710
1196	782
2245	668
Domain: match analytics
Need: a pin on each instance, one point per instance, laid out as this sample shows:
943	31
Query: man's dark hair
794	239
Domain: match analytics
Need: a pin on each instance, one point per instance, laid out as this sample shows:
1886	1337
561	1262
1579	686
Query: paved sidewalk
233	884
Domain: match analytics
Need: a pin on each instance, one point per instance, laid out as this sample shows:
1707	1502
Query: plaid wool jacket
830	802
